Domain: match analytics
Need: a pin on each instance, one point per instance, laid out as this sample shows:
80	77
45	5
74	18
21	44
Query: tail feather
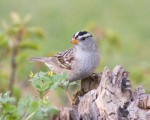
39	59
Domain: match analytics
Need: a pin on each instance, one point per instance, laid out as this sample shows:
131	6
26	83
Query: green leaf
5	98
27	105
22	106
27	108
34	106
13	30
28	45
3	42
35	31
64	75
27	19
54	86
43	82
8	108
22	56
73	83
53	111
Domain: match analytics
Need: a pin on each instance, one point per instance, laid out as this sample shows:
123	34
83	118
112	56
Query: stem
16	41
31	115
13	69
43	94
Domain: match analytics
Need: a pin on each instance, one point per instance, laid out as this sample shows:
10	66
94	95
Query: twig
16	41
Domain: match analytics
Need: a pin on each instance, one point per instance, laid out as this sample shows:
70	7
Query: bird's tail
39	59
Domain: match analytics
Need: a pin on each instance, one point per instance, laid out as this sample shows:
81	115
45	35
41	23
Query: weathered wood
108	97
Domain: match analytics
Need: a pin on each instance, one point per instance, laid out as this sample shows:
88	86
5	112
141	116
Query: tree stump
108	96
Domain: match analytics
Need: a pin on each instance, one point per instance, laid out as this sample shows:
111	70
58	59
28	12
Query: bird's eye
83	38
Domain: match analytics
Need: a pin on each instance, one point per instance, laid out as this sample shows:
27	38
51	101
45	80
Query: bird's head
84	40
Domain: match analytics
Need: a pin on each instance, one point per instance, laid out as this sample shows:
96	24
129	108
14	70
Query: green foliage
28	45
7	109
35	108
16	38
27	108
18	33
45	81
30	107
3	42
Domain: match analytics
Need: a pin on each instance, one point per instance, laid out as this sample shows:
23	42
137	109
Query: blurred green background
121	29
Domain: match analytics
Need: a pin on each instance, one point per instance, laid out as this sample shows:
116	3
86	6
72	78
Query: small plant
34	108
45	81
29	108
15	39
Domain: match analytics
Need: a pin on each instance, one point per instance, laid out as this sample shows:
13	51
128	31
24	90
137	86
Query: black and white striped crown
82	35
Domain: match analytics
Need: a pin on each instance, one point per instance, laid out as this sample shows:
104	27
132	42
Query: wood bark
108	96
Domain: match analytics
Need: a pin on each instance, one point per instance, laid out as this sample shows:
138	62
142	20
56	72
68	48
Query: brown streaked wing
64	59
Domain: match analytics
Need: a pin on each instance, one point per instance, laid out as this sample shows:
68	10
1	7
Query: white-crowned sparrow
79	62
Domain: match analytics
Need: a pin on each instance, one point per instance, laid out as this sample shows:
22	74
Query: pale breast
85	64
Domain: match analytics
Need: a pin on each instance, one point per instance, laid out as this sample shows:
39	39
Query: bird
78	62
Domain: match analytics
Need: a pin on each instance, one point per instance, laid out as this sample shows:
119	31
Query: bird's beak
74	41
